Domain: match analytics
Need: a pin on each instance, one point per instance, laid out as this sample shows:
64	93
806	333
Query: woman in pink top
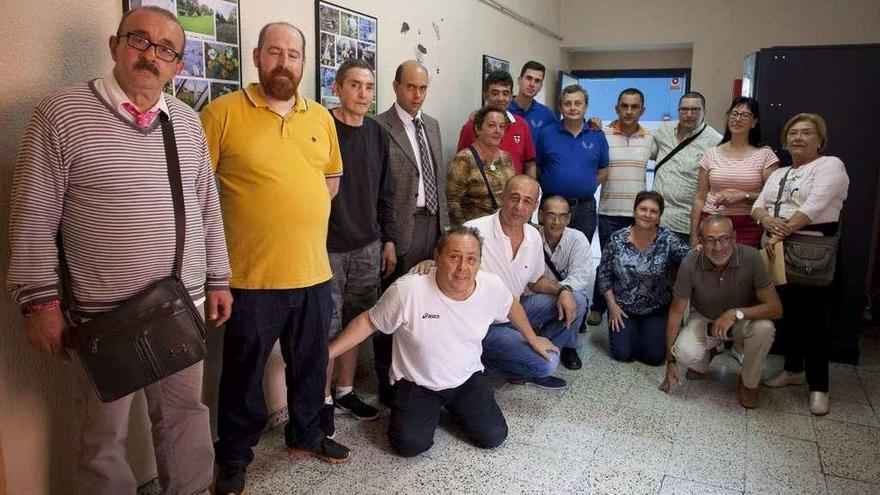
732	174
805	198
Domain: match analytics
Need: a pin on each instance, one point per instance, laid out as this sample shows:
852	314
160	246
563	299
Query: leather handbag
809	259
153	334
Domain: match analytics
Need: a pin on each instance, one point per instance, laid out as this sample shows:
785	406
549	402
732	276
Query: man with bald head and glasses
92	166
731	297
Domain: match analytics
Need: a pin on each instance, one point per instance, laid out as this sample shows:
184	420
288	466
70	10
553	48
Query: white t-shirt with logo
438	341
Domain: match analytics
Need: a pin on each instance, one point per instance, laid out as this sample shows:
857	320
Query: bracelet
29	310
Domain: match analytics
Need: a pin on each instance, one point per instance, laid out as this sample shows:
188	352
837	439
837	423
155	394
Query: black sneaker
230	481
327	450
570	358
356	407
326	420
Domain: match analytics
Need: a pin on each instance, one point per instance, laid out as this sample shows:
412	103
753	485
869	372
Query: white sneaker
784	378
819	404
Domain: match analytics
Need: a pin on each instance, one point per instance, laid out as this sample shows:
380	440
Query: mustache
143	64
282	72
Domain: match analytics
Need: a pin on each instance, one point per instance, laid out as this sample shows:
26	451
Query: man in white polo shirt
439	322
630	146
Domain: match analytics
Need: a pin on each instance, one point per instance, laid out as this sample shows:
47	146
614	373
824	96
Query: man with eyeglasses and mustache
680	145
92	168
278	164
731	297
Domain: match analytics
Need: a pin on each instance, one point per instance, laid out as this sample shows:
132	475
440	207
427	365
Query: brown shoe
748	397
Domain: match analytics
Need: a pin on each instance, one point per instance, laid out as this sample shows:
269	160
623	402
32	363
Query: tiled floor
613	432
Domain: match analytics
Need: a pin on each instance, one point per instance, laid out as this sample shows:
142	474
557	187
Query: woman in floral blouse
478	169
634	278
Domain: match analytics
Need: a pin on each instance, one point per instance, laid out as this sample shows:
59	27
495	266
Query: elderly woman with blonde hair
805	198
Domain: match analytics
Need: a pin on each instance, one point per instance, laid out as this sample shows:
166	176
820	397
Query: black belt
577	201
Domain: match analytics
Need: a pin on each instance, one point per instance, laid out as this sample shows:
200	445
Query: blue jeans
607	226
643	337
300	318
506	352
583	217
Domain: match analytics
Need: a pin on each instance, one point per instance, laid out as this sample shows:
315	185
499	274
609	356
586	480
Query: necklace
491	165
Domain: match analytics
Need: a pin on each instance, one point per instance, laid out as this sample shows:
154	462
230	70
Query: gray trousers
181	438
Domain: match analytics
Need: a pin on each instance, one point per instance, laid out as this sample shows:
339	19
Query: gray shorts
355	284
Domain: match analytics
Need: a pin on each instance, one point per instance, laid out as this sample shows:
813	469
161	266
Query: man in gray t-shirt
731	298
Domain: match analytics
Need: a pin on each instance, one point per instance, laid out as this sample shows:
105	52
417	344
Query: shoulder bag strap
682	145
485	179
176	183
552	266
778	206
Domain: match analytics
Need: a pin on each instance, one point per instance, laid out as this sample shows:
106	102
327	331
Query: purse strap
682	145
174	180
176	183
485	179
778	205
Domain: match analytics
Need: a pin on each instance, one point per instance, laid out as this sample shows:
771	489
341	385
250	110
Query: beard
279	83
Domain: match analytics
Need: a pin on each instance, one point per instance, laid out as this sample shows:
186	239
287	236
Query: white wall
722	32
51	43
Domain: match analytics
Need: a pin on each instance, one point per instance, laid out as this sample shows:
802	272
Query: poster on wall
342	34
491	64
212	55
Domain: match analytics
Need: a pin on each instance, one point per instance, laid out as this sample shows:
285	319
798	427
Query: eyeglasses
807	133
142	44
557	217
721	241
689	109
739	115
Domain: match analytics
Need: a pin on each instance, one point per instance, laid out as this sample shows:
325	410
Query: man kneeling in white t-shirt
439	322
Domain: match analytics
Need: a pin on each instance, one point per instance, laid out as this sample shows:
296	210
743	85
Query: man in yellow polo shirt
278	164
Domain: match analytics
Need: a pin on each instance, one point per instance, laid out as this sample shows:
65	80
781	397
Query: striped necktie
428	177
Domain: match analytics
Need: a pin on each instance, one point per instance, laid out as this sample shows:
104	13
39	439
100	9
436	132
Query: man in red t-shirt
497	92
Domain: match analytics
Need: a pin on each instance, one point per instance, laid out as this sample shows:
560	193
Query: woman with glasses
732	174
633	277
477	174
805	198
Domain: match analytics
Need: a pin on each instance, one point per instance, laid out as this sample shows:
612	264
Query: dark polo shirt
713	292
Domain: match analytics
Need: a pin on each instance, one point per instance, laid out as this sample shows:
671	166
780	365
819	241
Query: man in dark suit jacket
415	159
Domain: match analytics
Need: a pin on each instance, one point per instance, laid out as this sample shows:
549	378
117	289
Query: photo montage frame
212	56
342	34
490	64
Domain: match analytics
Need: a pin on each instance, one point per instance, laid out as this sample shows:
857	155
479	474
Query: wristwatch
739	314
563	287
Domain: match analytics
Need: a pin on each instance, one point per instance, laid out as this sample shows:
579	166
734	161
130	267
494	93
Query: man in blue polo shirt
573	159
530	81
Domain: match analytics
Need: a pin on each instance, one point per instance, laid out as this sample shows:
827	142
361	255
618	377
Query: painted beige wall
630	59
721	32
52	43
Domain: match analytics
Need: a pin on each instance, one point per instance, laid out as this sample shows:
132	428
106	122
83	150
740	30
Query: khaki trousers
181	438
692	346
